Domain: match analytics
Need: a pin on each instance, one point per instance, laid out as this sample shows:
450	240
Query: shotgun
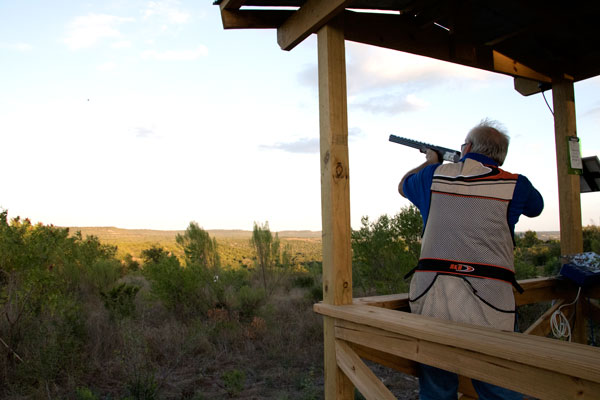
443	152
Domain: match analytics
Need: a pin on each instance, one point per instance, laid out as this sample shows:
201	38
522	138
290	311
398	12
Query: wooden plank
308	19
503	371
391	301
363	378
231	4
386	359
251	19
543	289
509	66
541	327
571	236
337	385
465	387
575	360
335	196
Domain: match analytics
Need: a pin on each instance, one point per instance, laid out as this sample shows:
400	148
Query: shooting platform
542	45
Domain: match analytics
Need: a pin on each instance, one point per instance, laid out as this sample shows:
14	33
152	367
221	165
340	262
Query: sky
149	115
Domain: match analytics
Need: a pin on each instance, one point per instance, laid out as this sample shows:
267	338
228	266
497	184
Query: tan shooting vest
466	268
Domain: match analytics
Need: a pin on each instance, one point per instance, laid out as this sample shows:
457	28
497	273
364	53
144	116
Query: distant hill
544	235
113	233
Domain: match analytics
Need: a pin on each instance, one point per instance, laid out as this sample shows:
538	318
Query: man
466	268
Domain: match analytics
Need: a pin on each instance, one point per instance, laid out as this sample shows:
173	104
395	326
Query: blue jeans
437	384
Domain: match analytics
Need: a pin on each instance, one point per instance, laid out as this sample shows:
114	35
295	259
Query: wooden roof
538	40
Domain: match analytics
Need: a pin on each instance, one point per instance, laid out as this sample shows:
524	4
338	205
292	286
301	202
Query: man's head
488	138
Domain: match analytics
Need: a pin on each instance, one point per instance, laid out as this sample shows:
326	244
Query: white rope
561	328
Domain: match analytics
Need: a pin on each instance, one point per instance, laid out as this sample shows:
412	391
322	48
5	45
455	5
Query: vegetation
205	317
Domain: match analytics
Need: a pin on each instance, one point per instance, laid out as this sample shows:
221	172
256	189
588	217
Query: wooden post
571	236
335	195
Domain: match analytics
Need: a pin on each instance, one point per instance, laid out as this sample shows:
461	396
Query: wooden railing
373	328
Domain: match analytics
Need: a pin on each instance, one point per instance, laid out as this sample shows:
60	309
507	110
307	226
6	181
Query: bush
249	301
385	250
119	301
234	381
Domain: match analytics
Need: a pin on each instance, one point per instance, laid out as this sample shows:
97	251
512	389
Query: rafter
250	19
231	4
308	19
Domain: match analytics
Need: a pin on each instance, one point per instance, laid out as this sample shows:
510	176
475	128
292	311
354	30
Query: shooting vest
466	269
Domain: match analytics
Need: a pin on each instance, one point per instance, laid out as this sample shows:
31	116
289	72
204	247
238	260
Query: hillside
234	245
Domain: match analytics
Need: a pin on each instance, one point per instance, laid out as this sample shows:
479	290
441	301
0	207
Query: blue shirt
526	199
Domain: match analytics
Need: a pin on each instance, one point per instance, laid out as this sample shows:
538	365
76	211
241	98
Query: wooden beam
569	202
571	359
399	32
506	65
361	376
308	19
250	19
538	290
539	379
231	4
335	195
541	327
391	301
386	359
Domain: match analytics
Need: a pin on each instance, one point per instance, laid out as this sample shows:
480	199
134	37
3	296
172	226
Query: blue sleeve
417	189
526	200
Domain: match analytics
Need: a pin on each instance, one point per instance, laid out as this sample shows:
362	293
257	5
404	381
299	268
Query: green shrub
84	393
119	300
249	301
143	386
234	381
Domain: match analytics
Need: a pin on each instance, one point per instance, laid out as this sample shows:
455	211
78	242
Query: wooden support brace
363	378
308	19
541	327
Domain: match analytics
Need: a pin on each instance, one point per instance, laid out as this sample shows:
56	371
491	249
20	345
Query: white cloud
122	44
168	9
16	46
107	66
373	68
176	55
85	31
391	104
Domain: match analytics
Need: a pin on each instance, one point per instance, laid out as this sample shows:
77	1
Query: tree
385	250
269	255
198	247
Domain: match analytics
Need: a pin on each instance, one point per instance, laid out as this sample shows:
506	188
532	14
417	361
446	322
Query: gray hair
490	139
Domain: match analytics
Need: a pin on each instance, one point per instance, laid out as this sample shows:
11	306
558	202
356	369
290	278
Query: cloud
107	66
176	55
309	145
370	67
144	133
391	104
22	47
302	146
121	44
86	31
167	9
